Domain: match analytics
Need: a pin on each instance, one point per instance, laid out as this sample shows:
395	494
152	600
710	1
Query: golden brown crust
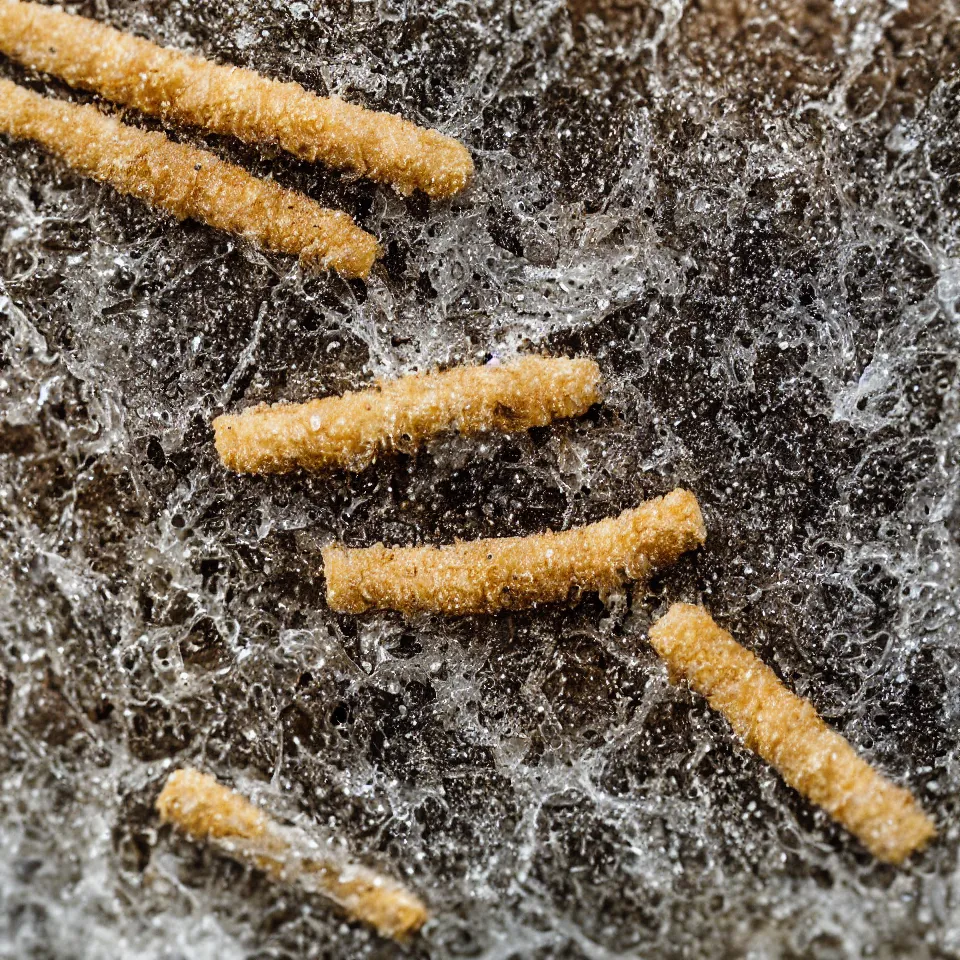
207	811
367	896
229	100
484	576
786	731
187	182
352	430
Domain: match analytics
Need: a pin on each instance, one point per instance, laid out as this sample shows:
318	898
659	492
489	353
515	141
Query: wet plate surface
749	216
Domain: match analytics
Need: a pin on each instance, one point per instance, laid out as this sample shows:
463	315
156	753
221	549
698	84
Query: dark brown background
749	216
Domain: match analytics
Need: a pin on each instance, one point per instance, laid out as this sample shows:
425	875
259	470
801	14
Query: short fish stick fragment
231	101
353	430
187	182
205	810
787	732
484	576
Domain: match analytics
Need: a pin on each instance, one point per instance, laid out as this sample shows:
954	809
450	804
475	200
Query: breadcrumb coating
787	732
187	182
229	100
353	430
207	811
484	576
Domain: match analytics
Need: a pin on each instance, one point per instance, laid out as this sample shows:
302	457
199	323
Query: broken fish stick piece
352	430
205	810
483	576
787	732
232	101
187	182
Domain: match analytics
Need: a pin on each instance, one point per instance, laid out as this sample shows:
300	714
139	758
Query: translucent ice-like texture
748	215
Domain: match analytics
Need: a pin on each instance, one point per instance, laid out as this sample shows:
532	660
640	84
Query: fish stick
787	732
187	182
228	100
207	811
351	431
483	576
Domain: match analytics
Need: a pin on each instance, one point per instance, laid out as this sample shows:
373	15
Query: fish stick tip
590	369
224	428
355	259
223	423
453	167
409	918
914	833
329	555
685	509
333	557
680	612
586	369
172	788
201	807
681	624
395	911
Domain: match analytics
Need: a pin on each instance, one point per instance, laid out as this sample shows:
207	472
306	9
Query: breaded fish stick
352	430
187	182
483	576
786	731
229	100
207	811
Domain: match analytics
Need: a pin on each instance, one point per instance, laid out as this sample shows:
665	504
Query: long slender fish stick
207	811
232	101
787	732
187	182
483	576
352	430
